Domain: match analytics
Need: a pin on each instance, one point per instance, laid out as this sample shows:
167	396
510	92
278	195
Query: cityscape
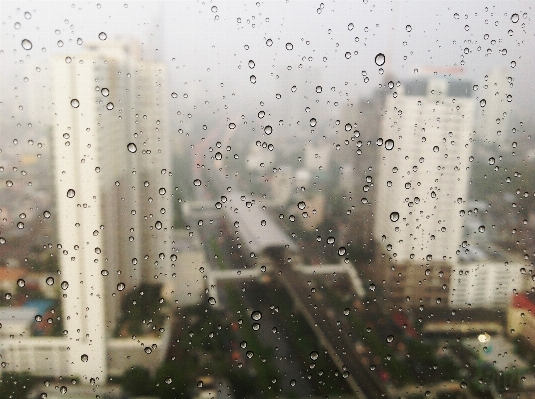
267	200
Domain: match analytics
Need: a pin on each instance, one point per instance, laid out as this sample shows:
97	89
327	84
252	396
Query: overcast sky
213	41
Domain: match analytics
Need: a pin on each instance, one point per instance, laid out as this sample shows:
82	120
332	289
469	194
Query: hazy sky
213	41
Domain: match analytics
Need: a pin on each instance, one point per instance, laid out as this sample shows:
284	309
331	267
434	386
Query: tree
137	381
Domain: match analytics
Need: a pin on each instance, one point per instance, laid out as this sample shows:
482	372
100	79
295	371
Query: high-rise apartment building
113	188
422	185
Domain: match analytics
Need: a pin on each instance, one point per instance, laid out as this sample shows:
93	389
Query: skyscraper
423	177
112	176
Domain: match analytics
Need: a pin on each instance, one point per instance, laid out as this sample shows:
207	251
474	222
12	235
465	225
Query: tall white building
113	205
423	172
493	122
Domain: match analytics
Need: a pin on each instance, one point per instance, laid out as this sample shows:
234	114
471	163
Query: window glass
267	199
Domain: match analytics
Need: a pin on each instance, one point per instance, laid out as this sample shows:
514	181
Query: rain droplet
408	28
121	286
196	182
483	102
314	355
256	315
27	15
346	312
251	64
75	103
131	147
9	183
50	280
105	92
481	229
38	318
301	205
218	156
17	25
261	114
341	251
21	283
491	161
26	44
168	380
394	216
232	125
252	79
70	193
84	358
109	106
313	122
269	42
350	26
64	285
380	59
319	89
63	389
256	326
268	130
289	46
20	225
214	8
148	350
102	36
514	18
389	144
390	338
211	300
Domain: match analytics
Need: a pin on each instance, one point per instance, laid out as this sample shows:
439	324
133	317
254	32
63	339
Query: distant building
421	186
521	317
482	279
113	188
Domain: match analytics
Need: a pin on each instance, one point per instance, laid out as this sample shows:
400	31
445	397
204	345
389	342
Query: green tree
137	381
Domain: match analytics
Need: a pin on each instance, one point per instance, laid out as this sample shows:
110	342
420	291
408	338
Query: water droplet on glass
491	161
102	36
289	46
408	28
121	286
346	312
84	358
313	122
50	280
70	193
341	251
211	300
75	103
482	103
301	205
380	59
64	285
214	9
109	106
390	338
269	42
105	92
256	326
314	355
261	114
131	147
514	18
389	144
481	229
38	318
256	315
251	64
21	283
63	390
27	15
168	380
26	44
394	216
148	350
196	182
268	130
252	79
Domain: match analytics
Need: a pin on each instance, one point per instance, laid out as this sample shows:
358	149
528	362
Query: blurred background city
267	200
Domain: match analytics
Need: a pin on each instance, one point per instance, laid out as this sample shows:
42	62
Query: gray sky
207	40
